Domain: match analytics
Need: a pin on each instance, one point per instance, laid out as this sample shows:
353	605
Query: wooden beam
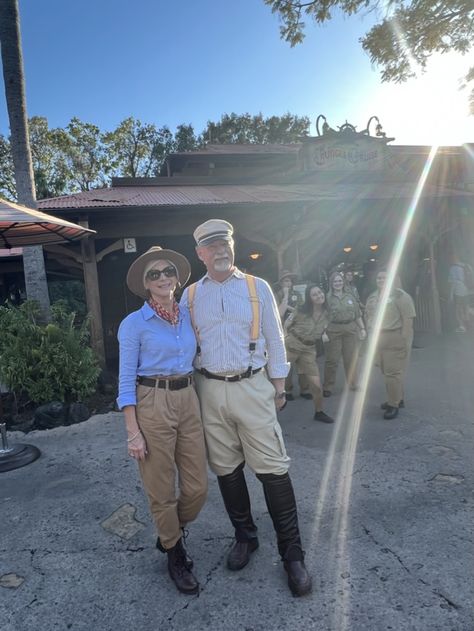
113	247
63	252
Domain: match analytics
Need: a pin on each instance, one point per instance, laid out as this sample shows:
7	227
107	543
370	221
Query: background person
239	401
395	339
288	301
344	331
459	292
304	328
156	394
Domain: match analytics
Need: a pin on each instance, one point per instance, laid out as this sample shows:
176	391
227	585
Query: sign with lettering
342	154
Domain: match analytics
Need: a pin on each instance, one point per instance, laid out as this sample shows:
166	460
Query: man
395	339
238	401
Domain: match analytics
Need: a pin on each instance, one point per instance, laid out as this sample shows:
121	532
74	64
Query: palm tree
12	60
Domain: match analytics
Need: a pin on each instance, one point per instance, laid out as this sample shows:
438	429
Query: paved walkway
386	516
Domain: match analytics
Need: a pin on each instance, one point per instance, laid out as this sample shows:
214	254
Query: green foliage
407	34
81	157
50	362
245	128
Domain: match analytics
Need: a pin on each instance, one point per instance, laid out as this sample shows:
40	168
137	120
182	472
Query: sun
430	109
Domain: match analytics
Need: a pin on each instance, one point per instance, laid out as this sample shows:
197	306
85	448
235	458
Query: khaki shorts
304	360
240	424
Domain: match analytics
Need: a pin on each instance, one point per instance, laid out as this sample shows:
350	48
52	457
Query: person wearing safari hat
157	396
240	377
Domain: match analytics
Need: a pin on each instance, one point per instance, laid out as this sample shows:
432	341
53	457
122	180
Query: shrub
51	362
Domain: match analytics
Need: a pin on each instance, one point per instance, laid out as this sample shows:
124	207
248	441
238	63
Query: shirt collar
236	273
147	311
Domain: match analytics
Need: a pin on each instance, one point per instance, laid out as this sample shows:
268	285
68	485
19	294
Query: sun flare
430	109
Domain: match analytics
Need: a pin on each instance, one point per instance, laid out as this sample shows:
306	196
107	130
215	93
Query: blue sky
190	61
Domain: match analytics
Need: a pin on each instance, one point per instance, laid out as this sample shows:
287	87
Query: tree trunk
12	60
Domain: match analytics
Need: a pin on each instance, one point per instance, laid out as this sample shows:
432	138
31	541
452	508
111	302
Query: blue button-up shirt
151	346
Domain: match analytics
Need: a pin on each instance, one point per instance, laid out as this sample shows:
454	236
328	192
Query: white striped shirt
223	317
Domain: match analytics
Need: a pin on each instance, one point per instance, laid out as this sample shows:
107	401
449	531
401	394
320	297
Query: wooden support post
91	282
434	291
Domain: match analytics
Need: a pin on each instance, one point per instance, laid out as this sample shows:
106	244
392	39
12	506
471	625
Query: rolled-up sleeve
129	344
277	366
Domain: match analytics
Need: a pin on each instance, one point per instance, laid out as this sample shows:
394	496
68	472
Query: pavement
386	514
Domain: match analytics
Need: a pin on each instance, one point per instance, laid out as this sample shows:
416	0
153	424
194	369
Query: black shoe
182	576
323	417
187	559
384	406
239	554
289	396
306	395
299	581
390	412
326	393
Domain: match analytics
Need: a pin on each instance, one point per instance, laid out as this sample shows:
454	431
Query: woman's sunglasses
155	274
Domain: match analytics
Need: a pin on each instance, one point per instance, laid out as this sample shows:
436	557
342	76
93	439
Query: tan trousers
302	382
305	360
343	341
393	352
171	424
240	424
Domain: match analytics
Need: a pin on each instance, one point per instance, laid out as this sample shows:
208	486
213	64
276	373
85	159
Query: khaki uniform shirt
343	309
399	308
304	330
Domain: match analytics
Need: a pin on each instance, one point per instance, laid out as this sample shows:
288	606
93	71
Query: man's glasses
155	274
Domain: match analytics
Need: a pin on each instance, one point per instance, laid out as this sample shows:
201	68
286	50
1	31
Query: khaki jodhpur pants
343	341
171	424
393	353
240	424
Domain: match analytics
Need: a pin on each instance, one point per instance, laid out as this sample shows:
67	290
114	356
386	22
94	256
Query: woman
395	339
304	329
344	330
156	394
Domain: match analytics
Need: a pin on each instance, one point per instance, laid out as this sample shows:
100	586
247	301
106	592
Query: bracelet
129	440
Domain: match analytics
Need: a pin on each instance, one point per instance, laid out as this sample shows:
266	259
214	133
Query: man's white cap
212	230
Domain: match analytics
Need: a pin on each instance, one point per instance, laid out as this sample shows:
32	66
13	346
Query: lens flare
338	471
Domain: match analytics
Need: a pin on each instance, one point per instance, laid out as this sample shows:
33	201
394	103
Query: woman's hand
137	446
325	337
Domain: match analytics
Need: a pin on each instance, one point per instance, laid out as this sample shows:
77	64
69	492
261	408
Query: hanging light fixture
374	246
255	256
347	249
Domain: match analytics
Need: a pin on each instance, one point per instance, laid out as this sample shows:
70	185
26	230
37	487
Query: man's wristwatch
280	395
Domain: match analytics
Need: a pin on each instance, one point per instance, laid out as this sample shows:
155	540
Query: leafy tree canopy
81	157
245	128
406	35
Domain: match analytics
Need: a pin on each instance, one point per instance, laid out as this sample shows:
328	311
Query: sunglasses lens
155	274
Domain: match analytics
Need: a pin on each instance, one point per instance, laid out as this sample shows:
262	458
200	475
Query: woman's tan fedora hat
156	253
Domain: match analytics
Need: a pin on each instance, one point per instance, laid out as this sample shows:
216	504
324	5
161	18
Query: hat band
213	237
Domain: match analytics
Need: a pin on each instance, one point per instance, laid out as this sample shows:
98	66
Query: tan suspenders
255	326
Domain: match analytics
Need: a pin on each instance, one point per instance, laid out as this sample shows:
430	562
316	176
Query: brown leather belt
165	383
245	375
343	321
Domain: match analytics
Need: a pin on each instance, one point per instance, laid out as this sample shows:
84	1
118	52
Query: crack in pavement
209	576
449	603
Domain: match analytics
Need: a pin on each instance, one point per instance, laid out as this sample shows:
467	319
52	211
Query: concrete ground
386	516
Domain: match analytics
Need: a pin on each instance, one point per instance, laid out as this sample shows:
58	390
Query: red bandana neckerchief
172	318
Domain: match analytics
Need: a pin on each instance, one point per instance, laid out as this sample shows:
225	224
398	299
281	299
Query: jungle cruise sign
344	150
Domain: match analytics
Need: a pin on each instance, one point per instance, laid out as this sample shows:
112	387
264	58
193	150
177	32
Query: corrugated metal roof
146	196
